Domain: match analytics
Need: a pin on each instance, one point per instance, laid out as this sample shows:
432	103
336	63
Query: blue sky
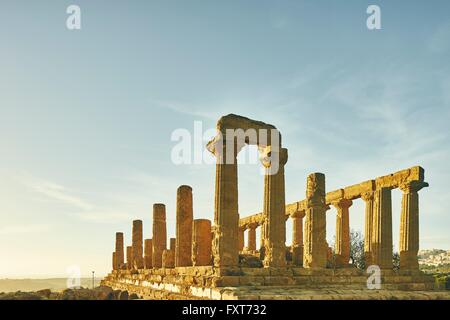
86	116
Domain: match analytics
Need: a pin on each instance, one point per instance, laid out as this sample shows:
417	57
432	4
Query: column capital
221	143
252	225
267	154
342	203
368	196
413	186
298	214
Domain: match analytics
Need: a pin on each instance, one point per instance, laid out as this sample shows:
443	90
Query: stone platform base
270	283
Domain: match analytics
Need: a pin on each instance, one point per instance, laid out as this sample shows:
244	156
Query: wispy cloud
54	191
24	229
76	206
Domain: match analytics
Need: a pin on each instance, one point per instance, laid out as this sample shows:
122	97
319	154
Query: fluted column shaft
201	242
159	234
241	241
315	246
275	210
342	245
129	257
148	253
226	217
137	244
119	250
184	227
409	225
382	229
251	245
297	237
368	227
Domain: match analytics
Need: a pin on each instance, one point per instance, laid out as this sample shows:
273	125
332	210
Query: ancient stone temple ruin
209	260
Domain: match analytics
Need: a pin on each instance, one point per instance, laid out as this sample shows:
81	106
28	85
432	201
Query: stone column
342	245
409	225
159	234
315	246
251	245
201	242
274	208
297	237
168	259
148	253
241	239
382	229
261	239
114	261
368	227
119	250
137	244
172	245
226	216
184	227
129	257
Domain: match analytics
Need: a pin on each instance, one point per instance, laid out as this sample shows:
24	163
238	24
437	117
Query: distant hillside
54	284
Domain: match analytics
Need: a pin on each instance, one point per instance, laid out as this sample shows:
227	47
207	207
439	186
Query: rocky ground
99	293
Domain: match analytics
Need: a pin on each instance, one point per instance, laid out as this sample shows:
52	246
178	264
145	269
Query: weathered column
159	234
172	245
137	244
226	217
201	242
119	250
409	225
368	227
251	245
129	257
184	227
297	237
148	253
342	245
114	261
241	239
382	229
274	208
315	246
168	259
261	239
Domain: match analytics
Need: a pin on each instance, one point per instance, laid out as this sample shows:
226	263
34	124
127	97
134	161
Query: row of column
378	244
191	247
251	237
